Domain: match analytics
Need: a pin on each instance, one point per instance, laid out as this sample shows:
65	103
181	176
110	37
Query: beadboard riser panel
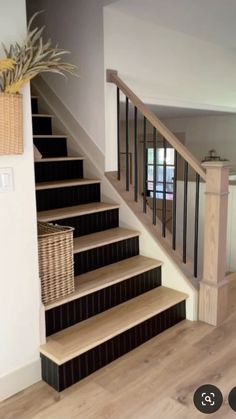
34	105
58	170
68	314
51	147
92	223
42	125
63	376
105	255
67	196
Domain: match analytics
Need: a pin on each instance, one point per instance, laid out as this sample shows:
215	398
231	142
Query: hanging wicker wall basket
11	124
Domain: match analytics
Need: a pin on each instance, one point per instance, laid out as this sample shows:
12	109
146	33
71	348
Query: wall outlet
6	179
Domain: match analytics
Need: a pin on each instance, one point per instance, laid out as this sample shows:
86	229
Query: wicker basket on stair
56	266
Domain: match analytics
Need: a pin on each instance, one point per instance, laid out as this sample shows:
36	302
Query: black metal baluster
127	143
174	203
196	226
144	165
154	205
164	192
118	133
185	212
135	154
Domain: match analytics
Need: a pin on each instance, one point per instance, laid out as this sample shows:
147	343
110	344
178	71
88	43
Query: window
170	169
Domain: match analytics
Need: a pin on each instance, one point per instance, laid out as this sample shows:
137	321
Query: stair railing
213	287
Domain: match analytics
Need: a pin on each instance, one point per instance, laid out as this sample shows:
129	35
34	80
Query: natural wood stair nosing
106	276
75	211
44	136
80	338
53	159
65	183
41	115
103	238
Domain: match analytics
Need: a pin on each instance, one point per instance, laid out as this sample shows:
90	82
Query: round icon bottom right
232	399
208	398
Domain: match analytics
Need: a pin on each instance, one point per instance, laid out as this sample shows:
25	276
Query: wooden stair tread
49	136
106	276
41	115
52	159
102	238
77	339
65	183
75	211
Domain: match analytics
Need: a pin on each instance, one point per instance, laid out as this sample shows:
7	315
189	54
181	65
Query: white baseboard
20	379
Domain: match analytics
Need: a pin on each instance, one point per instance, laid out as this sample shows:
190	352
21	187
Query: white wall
166	67
19	283
162	63
203	133
77	25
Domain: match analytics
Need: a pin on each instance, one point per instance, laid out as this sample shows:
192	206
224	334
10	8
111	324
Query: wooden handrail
112	77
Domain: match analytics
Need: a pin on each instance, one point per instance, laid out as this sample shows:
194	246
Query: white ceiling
209	20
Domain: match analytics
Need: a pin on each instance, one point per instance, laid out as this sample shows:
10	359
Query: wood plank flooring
155	381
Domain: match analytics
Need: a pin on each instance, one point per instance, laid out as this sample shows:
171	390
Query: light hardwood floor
155	381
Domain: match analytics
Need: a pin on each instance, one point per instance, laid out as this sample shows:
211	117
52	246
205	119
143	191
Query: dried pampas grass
26	61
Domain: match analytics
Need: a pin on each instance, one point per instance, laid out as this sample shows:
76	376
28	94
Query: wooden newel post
213	298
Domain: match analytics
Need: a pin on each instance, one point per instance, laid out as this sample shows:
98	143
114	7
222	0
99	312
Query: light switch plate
6	179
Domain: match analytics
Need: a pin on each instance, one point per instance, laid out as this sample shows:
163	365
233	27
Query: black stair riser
105	255
58	170
67	196
42	125
51	147
92	223
34	105
73	312
62	376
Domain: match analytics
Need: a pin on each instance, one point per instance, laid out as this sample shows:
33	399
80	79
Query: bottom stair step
74	353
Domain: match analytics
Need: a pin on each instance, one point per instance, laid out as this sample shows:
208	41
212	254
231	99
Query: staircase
119	302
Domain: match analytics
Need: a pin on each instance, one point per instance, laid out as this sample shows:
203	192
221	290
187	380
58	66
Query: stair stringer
80	143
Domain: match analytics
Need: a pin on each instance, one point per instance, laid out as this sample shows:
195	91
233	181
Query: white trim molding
20	379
